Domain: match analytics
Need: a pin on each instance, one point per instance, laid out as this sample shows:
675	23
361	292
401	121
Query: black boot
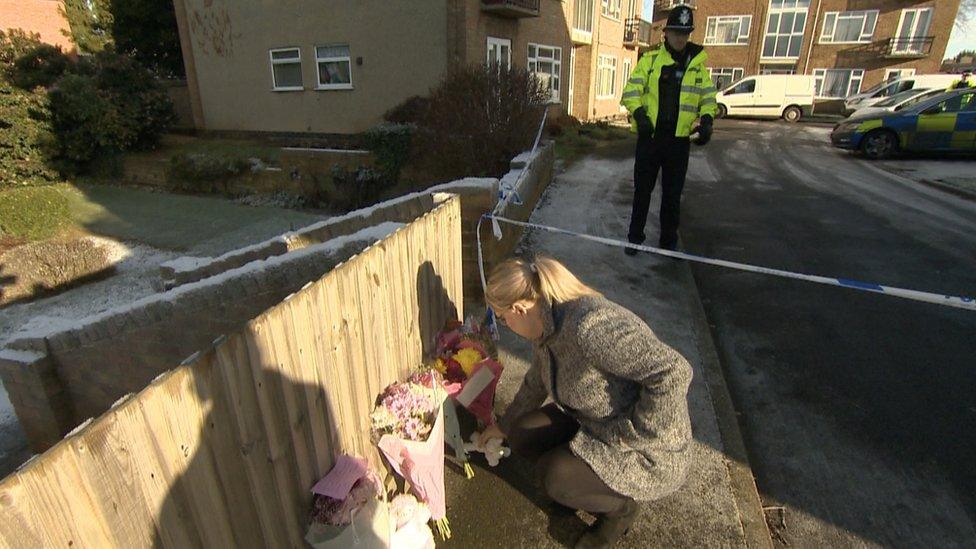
609	528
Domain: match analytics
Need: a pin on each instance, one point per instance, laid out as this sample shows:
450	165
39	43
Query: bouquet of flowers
470	372
346	509
408	424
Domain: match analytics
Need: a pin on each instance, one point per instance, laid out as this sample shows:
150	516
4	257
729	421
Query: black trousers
668	155
543	436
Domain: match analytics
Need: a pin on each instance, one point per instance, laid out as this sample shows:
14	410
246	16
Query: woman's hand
491	432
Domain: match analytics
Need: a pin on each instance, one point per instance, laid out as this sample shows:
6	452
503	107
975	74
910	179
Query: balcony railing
909	47
665	5
637	32
511	8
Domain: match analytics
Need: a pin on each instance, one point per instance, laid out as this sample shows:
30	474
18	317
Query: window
895	74
848	27
631	9
286	69
626	74
606	77
784	28
545	62
583	15
746	86
837	83
610	8
334	67
778	69
724	77
729	30
499	52
963	102
912	31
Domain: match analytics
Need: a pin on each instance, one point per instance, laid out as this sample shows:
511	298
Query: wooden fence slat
354	338
305	318
282	342
106	460
221	434
243	413
50	505
267	384
175	527
175	414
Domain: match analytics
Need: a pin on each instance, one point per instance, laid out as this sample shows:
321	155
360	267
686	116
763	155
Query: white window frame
556	85
318	68
297	60
628	66
727	71
610	9
902	73
820	76
831	18
742	38
583	11
498	42
915	34
606	75
785	7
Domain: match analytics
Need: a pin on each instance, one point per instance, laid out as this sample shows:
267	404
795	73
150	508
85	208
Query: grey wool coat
604	367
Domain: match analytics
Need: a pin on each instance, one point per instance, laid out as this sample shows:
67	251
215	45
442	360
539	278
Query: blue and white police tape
959	302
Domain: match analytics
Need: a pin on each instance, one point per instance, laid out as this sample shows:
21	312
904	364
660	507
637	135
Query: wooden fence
222	451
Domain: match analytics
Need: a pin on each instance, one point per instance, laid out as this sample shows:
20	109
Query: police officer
670	96
963	82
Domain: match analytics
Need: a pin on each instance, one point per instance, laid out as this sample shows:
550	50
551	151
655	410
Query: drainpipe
813	36
813	40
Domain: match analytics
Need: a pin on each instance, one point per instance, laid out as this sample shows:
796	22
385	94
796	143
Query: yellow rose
440	366
467	358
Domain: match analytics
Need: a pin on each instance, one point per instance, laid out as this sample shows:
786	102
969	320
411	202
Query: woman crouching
617	429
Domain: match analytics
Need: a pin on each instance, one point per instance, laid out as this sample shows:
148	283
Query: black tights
543	436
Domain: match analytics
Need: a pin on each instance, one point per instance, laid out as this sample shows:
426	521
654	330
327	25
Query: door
500	52
740	99
944	126
770	94
964	134
912	29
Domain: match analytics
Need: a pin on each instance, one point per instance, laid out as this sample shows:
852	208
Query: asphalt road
859	410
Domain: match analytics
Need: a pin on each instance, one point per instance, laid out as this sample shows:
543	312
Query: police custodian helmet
681	19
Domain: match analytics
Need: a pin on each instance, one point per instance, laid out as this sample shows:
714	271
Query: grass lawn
574	143
199	225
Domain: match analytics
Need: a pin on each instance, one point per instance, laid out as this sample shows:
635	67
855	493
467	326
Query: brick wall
40	16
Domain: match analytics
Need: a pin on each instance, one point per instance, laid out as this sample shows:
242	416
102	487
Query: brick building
848	45
41	16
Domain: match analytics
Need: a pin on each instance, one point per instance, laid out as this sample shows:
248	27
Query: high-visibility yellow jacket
960	84
697	91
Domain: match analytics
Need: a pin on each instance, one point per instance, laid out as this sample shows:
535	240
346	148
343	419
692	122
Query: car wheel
879	144
792	114
722	112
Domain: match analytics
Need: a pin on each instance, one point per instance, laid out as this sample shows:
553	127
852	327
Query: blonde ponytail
543	277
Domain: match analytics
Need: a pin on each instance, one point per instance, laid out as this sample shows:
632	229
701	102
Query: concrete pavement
718	506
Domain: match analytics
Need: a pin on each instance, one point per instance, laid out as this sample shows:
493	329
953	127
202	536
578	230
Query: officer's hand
704	130
644	126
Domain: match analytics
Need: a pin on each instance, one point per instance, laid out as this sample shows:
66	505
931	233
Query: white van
777	95
905	83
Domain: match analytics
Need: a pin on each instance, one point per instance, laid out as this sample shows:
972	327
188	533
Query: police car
946	122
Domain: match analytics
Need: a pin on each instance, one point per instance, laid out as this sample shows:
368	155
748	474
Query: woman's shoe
609	528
